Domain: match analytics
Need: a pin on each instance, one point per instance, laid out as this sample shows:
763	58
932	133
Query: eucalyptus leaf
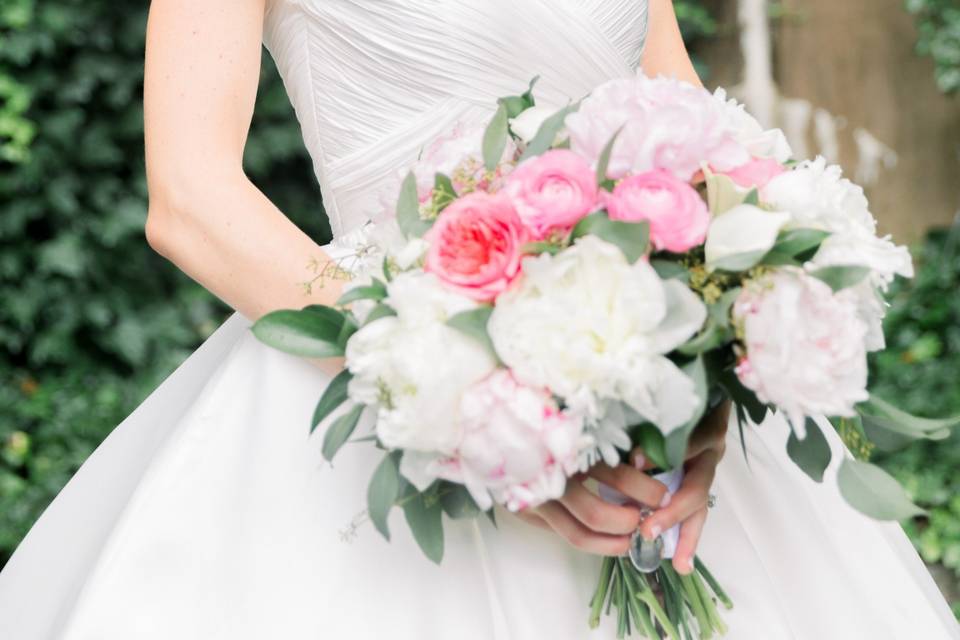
651	441
375	291
739	262
743	397
495	139
603	161
670	270
799	242
340	431
752	197
408	209
873	492
841	276
719	311
547	132
382	310
426	524
632	238
457	503
676	441
333	396
302	333
711	337
473	323
383	491
812	454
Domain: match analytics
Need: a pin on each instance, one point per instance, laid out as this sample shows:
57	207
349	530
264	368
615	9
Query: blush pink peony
475	245
805	346
552	191
517	447
678	216
756	173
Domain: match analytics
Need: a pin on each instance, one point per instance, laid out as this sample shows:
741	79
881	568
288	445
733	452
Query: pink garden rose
552	191
677	214
517	447
475	245
756	173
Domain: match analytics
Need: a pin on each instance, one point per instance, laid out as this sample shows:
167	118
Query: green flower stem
708	604
653	602
600	595
696	605
714	585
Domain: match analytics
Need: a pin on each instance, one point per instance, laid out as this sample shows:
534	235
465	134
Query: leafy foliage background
91	320
938	23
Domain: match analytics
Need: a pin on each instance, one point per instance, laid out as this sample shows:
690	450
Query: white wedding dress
209	513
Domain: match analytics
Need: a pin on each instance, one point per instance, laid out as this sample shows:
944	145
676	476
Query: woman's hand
688	506
593	525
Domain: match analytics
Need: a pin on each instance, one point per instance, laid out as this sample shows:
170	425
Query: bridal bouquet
553	289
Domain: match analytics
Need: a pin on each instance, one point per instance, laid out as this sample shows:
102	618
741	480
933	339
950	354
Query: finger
711	433
690	532
578	535
640	461
598	515
690	498
631	483
533	519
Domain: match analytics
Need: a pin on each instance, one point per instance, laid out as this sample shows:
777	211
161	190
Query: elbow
172	213
158	230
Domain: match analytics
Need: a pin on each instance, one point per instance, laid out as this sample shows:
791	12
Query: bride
210	514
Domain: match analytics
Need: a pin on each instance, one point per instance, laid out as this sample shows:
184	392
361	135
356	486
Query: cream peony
591	327
414	367
760	142
517	448
805	350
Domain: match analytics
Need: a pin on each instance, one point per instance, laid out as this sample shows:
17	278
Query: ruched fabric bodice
372	81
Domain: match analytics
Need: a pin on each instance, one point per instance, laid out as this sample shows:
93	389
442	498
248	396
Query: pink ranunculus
475	245
678	216
756	173
517	447
552	191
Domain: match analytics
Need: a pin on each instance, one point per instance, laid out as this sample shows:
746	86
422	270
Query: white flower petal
745	229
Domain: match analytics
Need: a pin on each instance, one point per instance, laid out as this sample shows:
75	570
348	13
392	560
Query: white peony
591	327
805	350
817	196
414	367
517	448
760	142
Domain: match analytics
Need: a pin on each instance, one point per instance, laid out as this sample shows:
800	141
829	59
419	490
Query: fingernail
666	500
685	566
655	531
639	461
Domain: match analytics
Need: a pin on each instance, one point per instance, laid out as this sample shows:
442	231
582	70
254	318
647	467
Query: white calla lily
744	233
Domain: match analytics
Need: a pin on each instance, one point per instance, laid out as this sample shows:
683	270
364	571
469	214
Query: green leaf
841	276
340	431
382	310
516	105
873	492
752	197
631	237
408	209
301	333
333	396
457	502
426	523
547	132
651	441
891	429
743	397
536	248
473	323
383	491
812	454
443	191
604	160
495	139
711	337
676	442
528	94
797	243
375	291
670	270
719	311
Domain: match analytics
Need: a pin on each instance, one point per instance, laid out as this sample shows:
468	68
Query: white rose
805	350
415	367
744	230
591	327
528	122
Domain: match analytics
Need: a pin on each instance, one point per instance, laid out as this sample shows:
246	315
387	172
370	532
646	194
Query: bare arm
665	53
201	76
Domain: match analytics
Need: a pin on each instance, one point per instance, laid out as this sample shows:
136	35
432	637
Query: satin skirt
210	514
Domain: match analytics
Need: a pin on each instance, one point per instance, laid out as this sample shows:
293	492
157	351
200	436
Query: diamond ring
711	500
